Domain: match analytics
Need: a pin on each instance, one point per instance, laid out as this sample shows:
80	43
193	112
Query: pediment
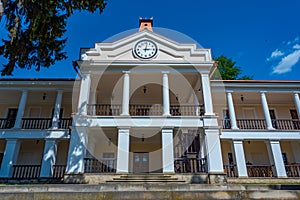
168	50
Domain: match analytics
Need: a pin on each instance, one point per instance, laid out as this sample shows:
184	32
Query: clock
145	49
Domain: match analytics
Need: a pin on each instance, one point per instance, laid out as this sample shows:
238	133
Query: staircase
146	178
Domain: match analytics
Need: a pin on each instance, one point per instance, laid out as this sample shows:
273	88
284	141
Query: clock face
145	49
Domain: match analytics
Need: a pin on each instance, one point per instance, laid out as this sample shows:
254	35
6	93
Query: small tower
146	24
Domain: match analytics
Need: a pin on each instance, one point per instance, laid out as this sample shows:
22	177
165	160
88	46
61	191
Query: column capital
229	91
263	92
296	92
238	141
165	72
126	72
24	90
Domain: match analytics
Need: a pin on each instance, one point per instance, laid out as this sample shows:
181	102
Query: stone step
146	178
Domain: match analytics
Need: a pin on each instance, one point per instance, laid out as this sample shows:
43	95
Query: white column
213	151
166	95
240	158
206	90
10	157
49	158
126	93
266	111
296	150
55	119
167	150
84	94
196	100
75	163
21	109
297	103
275	150
231	111
123	150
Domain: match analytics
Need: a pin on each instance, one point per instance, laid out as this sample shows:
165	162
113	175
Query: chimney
146	24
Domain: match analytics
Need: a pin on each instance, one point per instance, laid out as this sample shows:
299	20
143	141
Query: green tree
227	70
36	30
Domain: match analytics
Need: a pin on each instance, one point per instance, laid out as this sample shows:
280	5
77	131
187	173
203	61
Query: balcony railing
26	171
145	110
190	165
280	124
230	170
260	171
35	123
58	171
103	165
6	123
293	170
286	124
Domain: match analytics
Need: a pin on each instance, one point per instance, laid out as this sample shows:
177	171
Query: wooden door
140	162
11	117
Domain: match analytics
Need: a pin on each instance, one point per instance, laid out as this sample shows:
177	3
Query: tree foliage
227	70
36	31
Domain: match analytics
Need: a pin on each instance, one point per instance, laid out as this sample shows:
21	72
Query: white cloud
286	63
296	46
276	53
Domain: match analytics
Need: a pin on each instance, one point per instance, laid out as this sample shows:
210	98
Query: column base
166	115
217	178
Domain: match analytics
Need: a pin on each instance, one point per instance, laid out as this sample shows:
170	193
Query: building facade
146	104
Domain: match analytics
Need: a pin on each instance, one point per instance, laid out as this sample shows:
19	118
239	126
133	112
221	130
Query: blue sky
262	36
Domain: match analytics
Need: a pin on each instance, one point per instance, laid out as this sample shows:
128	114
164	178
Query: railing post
21	109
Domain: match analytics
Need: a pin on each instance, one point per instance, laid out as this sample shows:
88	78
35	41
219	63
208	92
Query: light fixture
242	98
143	138
249	142
44	96
109	141
176	97
144	89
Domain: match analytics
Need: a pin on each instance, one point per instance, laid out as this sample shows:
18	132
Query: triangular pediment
168	50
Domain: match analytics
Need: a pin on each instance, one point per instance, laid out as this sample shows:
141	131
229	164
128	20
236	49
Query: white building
145	104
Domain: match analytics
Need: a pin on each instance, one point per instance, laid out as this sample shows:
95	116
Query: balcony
145	110
280	124
35	123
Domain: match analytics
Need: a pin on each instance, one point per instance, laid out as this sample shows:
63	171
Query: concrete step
147	178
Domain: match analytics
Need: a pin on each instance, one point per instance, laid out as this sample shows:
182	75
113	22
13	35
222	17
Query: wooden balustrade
251	123
65	123
26	171
280	124
260	171
230	170
36	123
145	109
58	171
286	124
190	165
103	165
186	110
293	170
104	109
